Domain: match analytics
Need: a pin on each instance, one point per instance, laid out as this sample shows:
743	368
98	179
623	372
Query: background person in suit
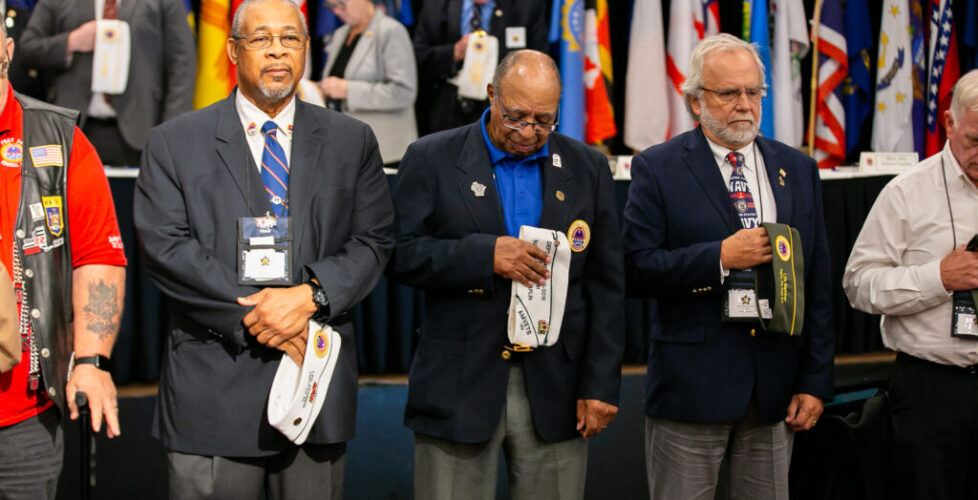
199	176
460	200
372	75
24	77
718	388
59	41
440	39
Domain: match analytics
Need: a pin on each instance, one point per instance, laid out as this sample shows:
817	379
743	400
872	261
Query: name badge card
265	251
740	302
964	321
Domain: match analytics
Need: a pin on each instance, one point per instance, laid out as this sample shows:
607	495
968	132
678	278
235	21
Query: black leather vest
41	239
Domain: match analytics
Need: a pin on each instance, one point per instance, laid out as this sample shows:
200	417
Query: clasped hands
280	318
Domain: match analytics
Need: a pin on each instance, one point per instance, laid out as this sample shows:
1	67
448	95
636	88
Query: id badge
740	303
964	321
265	251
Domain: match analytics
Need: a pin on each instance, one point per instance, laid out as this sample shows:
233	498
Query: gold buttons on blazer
476	291
506	355
753	332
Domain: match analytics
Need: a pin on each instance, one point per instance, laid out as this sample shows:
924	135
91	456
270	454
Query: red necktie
110	10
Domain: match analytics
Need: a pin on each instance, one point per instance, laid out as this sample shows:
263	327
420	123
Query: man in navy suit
460	200
717	388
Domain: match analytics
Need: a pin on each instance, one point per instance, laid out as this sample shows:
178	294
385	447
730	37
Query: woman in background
371	75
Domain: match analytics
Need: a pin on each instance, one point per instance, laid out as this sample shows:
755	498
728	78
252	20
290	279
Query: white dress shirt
250	114
895	266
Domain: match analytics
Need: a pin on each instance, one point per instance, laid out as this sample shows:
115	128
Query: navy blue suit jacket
445	238
678	211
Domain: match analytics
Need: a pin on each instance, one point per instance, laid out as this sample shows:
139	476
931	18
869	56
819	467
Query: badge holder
264	251
964	321
740	298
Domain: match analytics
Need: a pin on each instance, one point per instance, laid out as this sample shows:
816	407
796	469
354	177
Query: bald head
527	67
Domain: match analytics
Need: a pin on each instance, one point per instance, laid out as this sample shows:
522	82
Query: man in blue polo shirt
460	200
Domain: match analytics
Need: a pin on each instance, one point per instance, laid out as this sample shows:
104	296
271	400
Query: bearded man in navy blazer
460	200
718	388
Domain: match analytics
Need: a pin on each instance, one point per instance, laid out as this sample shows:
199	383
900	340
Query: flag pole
816	21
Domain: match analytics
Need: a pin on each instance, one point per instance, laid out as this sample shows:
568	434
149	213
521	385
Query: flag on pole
405	14
943	72
788	47
969	37
189	6
597	74
646	120
919	52
567	29
689	22
830	133
756	11
215	74
859	42
893	113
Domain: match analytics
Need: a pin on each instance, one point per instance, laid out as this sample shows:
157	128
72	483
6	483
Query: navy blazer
678	211
445	238
198	179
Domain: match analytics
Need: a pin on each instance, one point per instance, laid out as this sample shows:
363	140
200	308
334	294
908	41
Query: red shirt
94	235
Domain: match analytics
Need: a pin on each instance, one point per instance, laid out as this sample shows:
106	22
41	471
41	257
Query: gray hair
514	57
692	86
965	95
239	16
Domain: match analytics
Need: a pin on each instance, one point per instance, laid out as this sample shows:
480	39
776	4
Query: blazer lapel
366	44
703	167
558	193
454	18
477	186
774	168
307	141
127	9
232	148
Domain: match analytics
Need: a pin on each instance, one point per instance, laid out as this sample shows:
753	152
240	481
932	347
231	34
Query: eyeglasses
258	41
754	94
518	124
337	4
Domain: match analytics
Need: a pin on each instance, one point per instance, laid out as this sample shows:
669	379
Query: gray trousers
309	472
30	457
683	459
448	470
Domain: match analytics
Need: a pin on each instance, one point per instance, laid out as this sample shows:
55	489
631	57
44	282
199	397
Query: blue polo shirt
518	183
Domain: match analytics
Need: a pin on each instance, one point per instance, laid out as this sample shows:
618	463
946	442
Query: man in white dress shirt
909	260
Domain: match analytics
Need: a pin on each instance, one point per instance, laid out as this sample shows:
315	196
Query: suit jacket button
753	332
506	355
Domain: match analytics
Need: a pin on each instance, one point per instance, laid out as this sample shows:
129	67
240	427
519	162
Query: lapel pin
368	34
252	128
781	180
499	12
781	171
556	160
290	129
560	195
478	189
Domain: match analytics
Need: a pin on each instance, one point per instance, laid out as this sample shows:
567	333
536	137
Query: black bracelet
100	362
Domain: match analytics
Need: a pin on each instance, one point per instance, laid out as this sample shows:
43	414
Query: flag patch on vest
53	214
47	156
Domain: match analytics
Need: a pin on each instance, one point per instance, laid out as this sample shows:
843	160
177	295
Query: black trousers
935	425
108	142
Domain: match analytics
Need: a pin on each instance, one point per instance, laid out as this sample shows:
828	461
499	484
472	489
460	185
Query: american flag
830	132
944	72
47	156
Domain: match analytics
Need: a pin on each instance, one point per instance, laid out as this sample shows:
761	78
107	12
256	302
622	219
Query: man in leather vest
60	242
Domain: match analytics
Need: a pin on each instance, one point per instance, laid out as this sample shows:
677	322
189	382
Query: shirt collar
249	113
720	153
496	155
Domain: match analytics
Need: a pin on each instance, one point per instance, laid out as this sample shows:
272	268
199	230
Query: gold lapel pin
560	195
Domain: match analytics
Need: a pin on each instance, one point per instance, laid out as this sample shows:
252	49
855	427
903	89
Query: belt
970	370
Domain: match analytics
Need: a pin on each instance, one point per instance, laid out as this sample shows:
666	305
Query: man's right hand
745	249
520	261
82	39
460	47
959	270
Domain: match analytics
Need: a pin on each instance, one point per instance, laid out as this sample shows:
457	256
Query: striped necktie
743	201
275	171
475	22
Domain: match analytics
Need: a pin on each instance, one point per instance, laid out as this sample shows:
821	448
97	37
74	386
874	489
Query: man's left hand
279	313
803	412
334	87
102	401
593	416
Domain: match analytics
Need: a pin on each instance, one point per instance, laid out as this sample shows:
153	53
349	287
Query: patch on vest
11	152
47	156
53	214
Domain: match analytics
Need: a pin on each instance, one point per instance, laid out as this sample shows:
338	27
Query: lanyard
950	213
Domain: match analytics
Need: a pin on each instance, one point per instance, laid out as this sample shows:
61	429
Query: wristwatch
100	362
319	298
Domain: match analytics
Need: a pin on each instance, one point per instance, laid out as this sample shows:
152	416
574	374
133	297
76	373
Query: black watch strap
100	362
320	299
